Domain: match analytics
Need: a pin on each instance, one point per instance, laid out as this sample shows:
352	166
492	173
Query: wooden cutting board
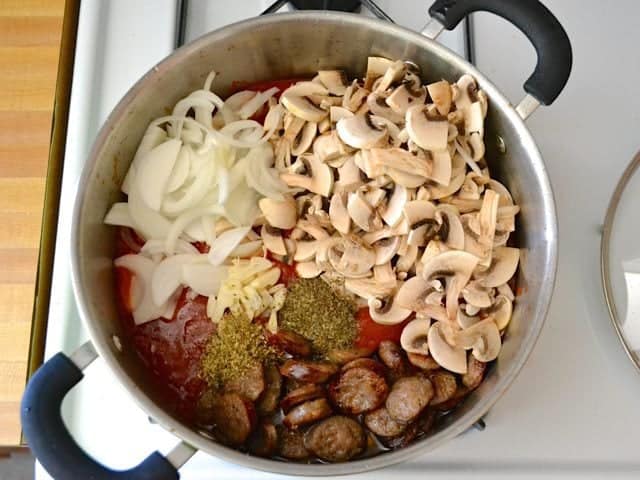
30	32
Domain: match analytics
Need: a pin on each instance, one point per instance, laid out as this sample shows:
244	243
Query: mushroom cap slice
272	239
417	295
440	93
451	231
338	113
476	294
464	320
349	176
426	133
308	269
279	213
392	214
381	285
501	311
392	75
304	140
306	250
328	147
295	100
416	211
386	249
376	67
457	179
414	336
457	267
387	312
376	101
360	211
449	357
334	80
350	257
483	338
406	96
320	179
504	264
338	213
360	132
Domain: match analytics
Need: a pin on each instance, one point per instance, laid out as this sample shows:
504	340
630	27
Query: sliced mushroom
480	228
501	311
381	285
320	179
474	119
483	338
349	176
449	357
376	101
376	68
386	249
504	263
456	266
362	214
279	213
328	147
296	100
465	92
405	96
272	240
334	80
354	97
476	294
308	269
407	261
392	214
392	75
417	295
430	134
303	141
338	113
360	132
350	257
434	248
440	93
470	189
505	290
451	231
338	213
306	250
324	125
465	320
387	311
414	336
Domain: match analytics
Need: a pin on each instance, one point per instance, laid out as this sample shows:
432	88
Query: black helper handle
537	23
50	440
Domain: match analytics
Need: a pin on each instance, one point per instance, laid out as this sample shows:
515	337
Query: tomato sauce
370	333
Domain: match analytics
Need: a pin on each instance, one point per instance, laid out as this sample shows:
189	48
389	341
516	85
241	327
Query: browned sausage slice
268	403
311	372
404	439
232	418
423	362
336	439
264	440
391	355
368	363
460	394
291	444
250	385
300	395
444	385
307	413
380	422
408	397
289	342
358	390
475	373
345	356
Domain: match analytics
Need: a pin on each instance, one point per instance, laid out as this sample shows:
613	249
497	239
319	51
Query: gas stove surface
573	411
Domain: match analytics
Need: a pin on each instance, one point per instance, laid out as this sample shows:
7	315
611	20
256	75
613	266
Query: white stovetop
573	411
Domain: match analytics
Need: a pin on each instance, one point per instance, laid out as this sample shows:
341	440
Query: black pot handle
50	440
539	25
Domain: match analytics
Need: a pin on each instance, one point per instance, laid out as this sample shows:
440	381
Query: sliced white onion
154	172
225	244
259	174
167	276
184	220
148	222
142	268
153	137
241	208
190	195
156	246
119	215
205	279
181	169
238	99
256	103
